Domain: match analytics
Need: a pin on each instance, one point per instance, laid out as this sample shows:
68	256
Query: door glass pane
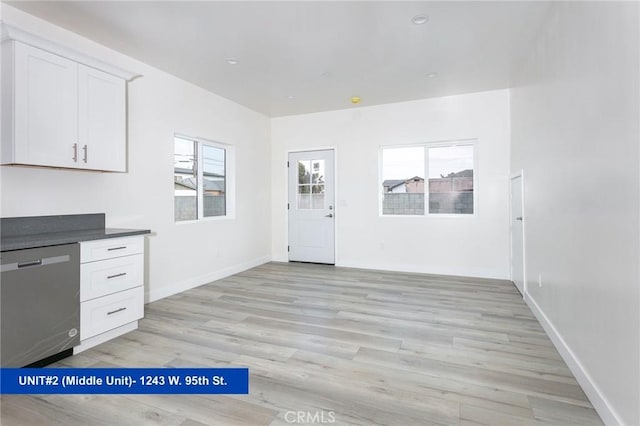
311	185
213	181
451	179
403	181
317	189
317	175
317	196
304	197
185	180
304	172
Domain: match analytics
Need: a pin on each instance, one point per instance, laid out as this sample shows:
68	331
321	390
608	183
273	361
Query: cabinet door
46	108
102	112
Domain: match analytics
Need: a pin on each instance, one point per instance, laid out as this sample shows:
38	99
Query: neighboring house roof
180	185
463	173
392	183
188	182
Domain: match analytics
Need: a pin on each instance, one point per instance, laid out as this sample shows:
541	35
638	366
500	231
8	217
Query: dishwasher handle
34	263
30	263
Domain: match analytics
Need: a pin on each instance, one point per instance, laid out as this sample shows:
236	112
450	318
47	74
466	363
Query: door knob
329	215
519	218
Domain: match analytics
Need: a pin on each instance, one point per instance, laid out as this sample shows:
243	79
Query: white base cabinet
111	289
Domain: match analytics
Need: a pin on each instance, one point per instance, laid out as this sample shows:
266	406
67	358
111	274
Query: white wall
576	135
179	255
473	246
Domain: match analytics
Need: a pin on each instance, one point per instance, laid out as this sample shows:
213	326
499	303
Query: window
213	181
403	180
450	179
448	168
201	179
185	180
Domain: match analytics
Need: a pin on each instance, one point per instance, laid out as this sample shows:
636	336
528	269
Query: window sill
430	216
205	219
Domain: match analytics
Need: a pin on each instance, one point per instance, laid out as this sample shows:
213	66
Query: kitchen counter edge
69	237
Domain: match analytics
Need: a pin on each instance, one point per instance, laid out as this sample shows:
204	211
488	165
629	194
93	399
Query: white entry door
311	207
517	234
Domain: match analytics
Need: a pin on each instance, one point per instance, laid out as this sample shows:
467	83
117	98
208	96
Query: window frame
426	145
229	175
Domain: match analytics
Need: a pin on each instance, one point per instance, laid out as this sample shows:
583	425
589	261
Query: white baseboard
167	291
595	395
413	268
489	274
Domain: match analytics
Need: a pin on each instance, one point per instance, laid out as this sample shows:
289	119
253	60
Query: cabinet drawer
108	312
109	248
110	276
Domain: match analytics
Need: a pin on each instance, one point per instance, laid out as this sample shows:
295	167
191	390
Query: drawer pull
122	274
30	263
116	248
116	311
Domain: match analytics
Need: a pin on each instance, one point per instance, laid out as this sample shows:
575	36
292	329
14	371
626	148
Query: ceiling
297	57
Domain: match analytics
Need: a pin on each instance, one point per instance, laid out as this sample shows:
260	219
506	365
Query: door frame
335	194
520	175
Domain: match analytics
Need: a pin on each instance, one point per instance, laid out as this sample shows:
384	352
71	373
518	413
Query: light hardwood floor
360	347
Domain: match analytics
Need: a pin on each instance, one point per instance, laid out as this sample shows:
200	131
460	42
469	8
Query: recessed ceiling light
419	19
232	61
355	99
432	74
290	97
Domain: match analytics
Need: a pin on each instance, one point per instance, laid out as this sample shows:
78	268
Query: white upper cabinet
59	109
45	108
101	124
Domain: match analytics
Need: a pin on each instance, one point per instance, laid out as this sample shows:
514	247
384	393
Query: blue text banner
124	381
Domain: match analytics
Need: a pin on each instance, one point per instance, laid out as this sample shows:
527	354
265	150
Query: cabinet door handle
85	149
121	274
75	152
116	311
116	248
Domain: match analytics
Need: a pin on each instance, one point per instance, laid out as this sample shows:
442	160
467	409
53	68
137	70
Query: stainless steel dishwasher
39	304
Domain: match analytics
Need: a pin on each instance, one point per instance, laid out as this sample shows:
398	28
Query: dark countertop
56	238
41	231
